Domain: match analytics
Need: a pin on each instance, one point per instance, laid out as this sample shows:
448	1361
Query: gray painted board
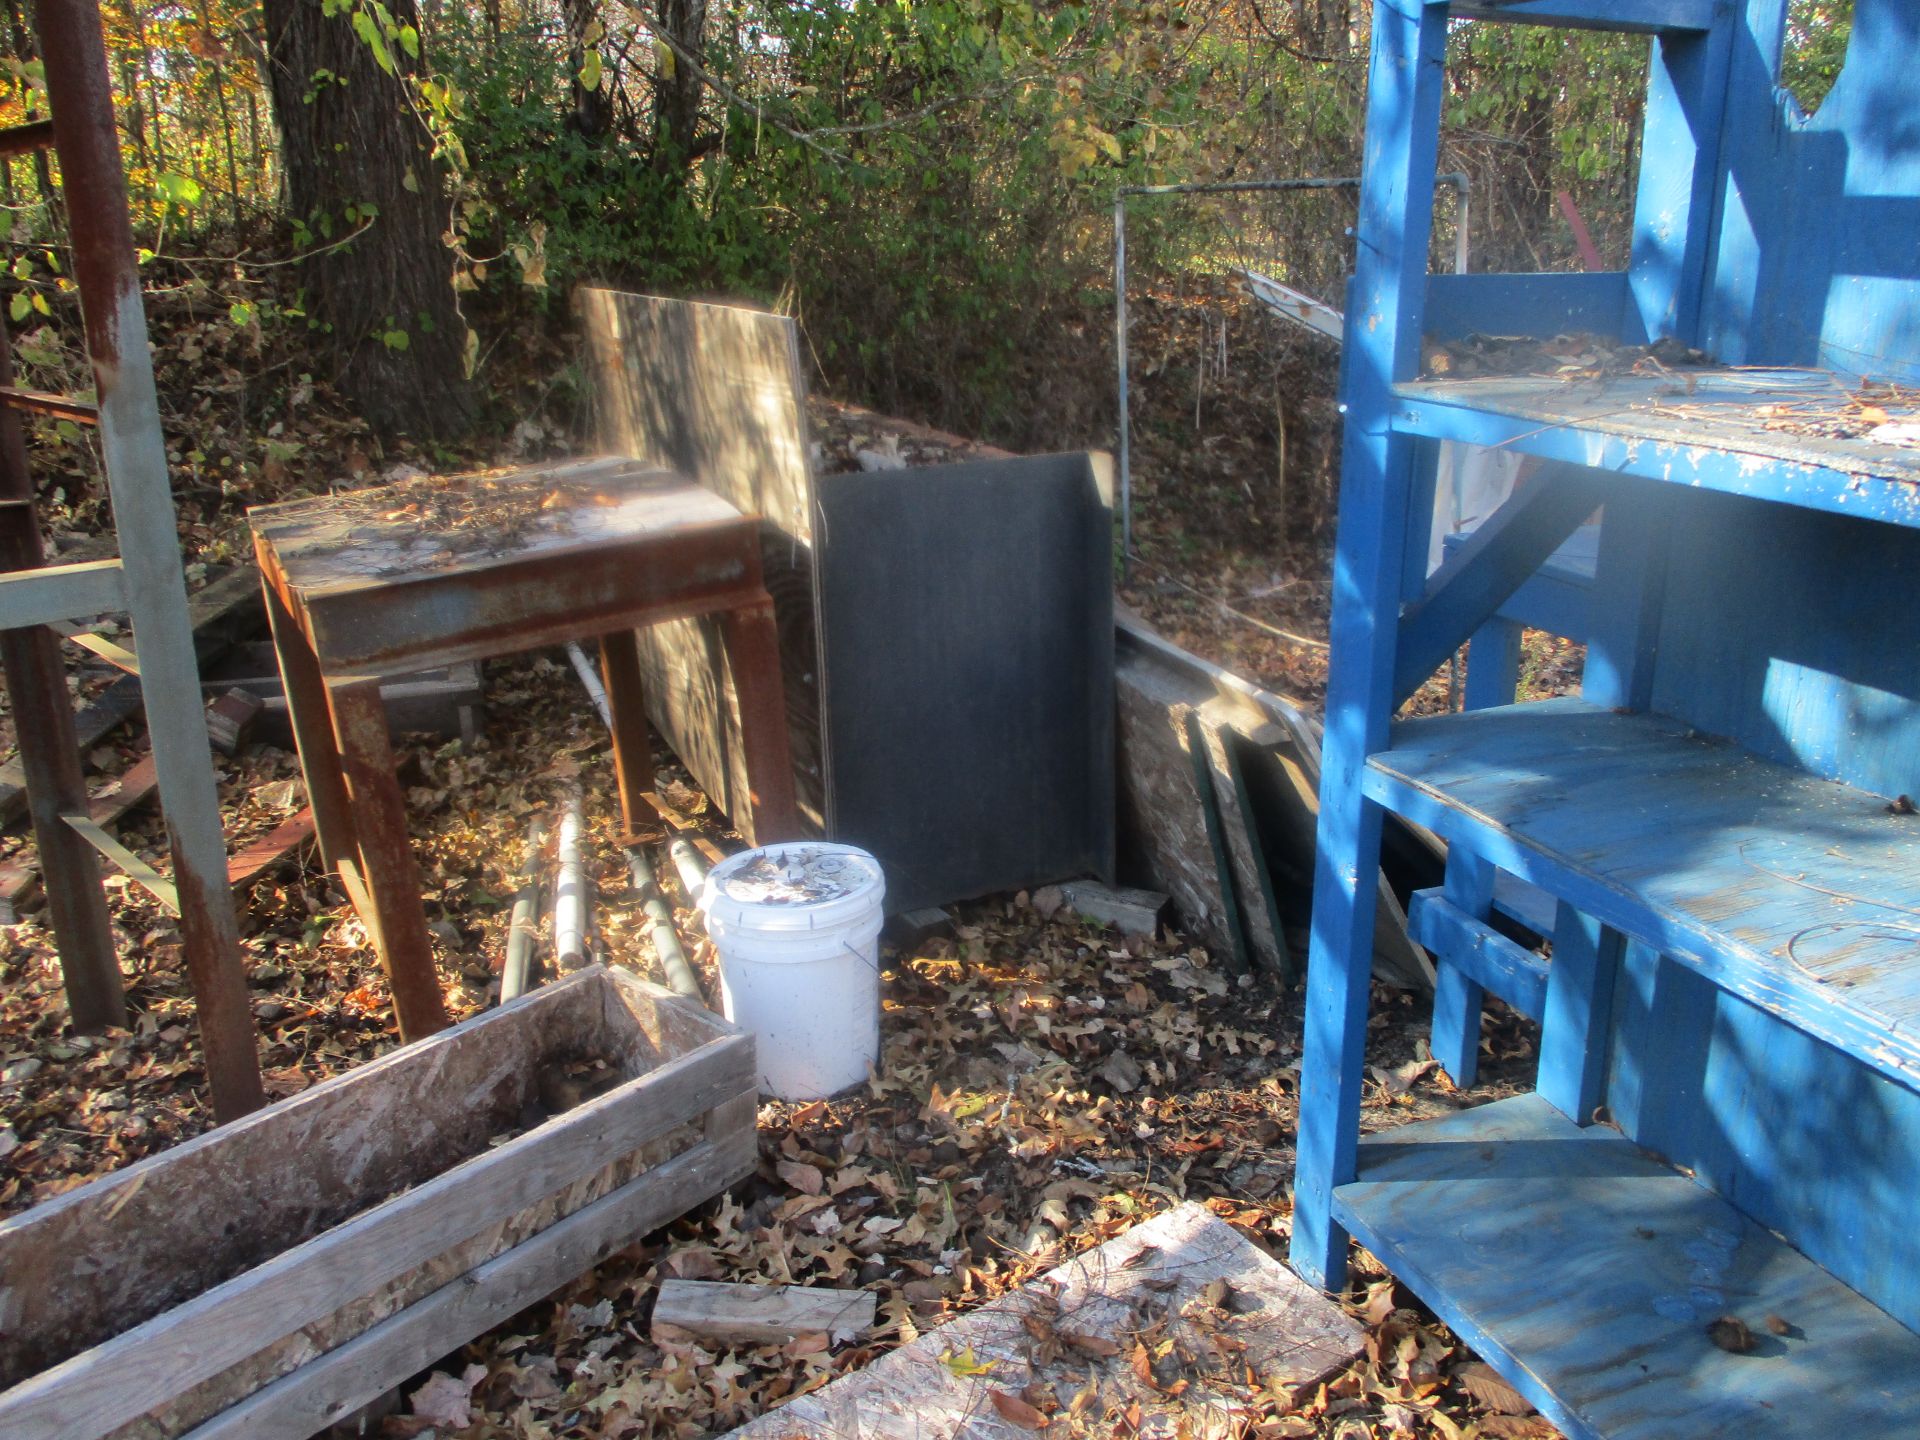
966	619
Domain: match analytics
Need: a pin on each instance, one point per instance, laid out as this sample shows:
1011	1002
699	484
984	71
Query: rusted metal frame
307	711
80	95
632	737
270	849
56	782
124	860
753	653
116	655
25	139
58	407
544	600
40	594
383	856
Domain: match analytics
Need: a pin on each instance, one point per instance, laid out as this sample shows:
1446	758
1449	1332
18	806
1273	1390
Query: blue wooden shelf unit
1714	835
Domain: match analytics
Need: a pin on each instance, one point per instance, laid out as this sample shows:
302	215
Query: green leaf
178	189
965	1363
20	306
410	182
396	339
410	41
40	304
241	313
590	74
22	268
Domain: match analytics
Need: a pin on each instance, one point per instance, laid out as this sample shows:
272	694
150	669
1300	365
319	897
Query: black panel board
966	620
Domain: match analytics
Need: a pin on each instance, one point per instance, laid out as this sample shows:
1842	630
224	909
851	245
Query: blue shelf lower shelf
1588	1272
1794	893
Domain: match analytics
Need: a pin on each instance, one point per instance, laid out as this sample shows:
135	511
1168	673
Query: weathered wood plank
175	1225
716	392
757	1314
1132	910
341	1381
1275	1329
117	1381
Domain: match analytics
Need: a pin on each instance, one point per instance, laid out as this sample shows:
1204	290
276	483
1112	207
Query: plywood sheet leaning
717	393
1162	833
966	616
1236	1317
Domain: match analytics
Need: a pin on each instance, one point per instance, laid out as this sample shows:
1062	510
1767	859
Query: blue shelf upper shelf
1590	1272
1780	434
1795	893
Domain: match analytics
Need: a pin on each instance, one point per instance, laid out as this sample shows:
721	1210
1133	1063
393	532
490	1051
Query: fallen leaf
1098	1345
803	1177
1731	1334
1016	1411
965	1364
447	1401
1485	1384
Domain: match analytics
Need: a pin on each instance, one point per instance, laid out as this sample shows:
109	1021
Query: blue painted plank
1493	659
1491	960
1627	16
1630	578
1806	1141
1715	436
1542	305
1478	576
1816	260
1405	77
1457	998
1796	635
1587	1272
1579	1010
1797	894
1525	904
1679	173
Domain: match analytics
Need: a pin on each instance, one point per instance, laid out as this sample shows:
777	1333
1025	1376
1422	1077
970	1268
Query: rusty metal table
439	570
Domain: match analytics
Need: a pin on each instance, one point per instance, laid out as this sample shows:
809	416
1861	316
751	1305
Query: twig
1288	635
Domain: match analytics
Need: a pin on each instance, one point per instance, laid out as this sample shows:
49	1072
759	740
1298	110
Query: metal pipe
523	930
1120	354
80	95
570	889
590	677
690	865
666	939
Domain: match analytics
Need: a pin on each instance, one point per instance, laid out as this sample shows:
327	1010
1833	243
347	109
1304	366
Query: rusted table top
437	525
440	569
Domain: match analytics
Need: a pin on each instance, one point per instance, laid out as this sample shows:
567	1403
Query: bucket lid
800	885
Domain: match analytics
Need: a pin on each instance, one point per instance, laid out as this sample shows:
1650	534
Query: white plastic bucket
797	927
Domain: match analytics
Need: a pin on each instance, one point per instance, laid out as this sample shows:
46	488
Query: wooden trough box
274	1275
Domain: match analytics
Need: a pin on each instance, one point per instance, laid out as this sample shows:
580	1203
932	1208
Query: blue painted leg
1384	307
1339	972
1574	1031
1493	664
1456	997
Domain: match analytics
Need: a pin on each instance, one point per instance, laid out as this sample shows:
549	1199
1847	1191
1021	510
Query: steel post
81	98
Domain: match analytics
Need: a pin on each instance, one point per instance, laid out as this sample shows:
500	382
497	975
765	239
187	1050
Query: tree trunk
352	142
592	109
677	96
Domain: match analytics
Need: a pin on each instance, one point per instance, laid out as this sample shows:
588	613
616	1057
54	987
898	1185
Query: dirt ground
1045	1084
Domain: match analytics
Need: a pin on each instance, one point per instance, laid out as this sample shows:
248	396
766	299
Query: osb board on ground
1078	1331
